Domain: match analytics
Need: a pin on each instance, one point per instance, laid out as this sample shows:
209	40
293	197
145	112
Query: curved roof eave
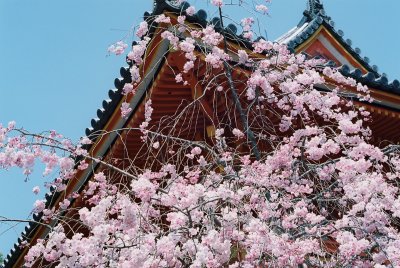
313	19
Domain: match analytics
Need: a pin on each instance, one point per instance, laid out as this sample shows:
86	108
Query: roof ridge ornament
157	2
160	5
315	8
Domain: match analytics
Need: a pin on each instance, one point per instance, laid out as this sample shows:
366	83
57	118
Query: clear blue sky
55	71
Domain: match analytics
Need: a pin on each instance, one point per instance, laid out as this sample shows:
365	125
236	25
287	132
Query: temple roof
314	17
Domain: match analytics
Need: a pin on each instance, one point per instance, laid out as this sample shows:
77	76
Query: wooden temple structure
315	35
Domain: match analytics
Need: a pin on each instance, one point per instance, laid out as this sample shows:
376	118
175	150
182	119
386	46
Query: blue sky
55	70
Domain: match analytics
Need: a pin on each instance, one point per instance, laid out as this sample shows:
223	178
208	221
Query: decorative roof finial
158	2
315	7
159	6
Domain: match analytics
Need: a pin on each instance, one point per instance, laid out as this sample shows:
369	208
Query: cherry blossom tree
290	176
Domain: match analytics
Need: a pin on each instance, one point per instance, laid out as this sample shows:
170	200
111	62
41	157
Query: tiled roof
314	17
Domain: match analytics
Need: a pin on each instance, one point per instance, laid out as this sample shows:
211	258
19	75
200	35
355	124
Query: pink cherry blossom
171	38
262	8
117	48
238	133
243	57
178	78
36	190
143	28
162	19
211	37
190	11
218	3
127	88
85	140
65	204
156	145
39	206
125	110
